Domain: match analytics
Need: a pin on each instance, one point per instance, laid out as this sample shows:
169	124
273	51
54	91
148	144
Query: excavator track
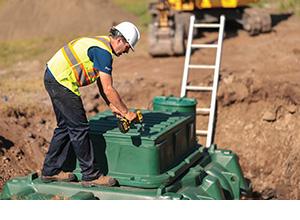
256	20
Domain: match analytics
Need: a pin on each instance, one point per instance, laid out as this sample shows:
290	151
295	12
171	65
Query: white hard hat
129	32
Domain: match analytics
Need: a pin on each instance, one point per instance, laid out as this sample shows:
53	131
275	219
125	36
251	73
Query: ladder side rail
187	57
216	81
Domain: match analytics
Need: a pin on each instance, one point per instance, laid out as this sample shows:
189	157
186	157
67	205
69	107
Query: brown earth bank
257	102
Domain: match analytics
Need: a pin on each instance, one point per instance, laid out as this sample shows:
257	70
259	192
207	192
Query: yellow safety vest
71	65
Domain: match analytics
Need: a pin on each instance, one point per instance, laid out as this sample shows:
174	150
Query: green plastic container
162	162
174	104
215	174
141	158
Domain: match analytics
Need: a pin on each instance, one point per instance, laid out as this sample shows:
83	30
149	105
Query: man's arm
112	98
99	84
113	109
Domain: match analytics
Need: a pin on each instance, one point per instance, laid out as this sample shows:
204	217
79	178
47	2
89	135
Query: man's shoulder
99	51
99	54
101	58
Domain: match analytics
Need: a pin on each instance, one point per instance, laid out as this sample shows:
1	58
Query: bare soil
257	102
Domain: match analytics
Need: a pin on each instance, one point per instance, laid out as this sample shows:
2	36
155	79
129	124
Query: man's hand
115	111
131	117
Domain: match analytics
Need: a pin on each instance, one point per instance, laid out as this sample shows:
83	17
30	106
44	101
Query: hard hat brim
132	48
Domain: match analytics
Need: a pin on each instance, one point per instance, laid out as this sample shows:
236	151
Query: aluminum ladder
185	87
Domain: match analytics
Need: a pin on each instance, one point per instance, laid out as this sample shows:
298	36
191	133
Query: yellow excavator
170	21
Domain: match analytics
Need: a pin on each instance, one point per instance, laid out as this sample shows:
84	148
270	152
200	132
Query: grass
18	85
44	47
13	82
18	89
2	2
41	49
14	51
283	5
290	5
139	9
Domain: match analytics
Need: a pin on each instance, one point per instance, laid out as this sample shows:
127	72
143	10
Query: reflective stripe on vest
71	65
77	66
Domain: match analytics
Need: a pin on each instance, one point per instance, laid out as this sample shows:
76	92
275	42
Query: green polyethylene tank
174	104
141	158
162	162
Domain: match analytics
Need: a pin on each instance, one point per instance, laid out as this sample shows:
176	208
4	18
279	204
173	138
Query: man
80	63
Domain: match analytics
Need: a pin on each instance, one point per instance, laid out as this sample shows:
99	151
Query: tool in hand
123	123
140	117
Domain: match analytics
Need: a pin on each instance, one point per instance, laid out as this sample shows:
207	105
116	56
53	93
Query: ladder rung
202	66
207	25
204	45
201	132
199	88
203	109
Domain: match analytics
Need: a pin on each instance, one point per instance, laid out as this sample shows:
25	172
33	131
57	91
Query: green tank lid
174	101
174	104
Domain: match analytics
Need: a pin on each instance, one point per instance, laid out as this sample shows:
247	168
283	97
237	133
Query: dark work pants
72	131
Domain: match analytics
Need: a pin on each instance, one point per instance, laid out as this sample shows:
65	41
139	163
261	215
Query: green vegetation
14	51
41	49
290	5
12	81
138	8
283	5
2	2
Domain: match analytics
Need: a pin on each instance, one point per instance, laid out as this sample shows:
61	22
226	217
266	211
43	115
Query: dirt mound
261	124
35	18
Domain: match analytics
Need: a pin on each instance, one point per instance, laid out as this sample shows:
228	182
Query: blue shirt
101	58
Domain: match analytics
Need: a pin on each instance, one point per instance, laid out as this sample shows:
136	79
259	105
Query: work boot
102	181
61	177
